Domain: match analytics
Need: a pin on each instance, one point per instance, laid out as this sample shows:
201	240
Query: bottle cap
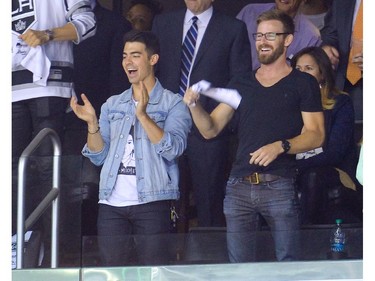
338	221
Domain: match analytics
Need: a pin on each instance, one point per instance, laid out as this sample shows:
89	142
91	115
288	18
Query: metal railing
51	197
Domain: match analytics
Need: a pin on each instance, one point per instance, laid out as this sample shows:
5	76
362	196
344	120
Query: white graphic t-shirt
125	191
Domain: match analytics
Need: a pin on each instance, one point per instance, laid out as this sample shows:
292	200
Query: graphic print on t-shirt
127	165
125	191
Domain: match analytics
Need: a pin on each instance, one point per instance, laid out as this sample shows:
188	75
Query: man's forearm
65	33
308	140
94	139
203	121
153	131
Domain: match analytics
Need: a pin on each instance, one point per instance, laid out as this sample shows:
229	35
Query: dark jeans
315	184
134	234
28	118
277	203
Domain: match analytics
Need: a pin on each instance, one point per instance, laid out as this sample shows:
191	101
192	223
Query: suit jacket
337	32
223	54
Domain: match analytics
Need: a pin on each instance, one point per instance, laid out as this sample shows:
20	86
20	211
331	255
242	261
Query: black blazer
224	52
337	32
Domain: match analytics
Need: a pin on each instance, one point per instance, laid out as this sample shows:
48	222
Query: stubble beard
268	59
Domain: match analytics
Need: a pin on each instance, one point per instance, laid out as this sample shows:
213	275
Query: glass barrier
78	243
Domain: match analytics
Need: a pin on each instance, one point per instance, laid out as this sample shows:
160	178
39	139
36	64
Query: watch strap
50	34
285	145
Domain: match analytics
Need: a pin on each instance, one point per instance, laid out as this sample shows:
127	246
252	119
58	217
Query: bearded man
279	115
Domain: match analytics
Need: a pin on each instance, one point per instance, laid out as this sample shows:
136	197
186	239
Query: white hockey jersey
46	70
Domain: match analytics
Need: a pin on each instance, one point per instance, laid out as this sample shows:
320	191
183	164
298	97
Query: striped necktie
188	47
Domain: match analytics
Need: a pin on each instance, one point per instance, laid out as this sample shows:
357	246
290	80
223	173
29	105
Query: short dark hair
278	15
154	6
148	38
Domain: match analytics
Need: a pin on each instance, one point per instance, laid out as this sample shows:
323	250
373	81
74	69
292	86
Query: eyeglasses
270	36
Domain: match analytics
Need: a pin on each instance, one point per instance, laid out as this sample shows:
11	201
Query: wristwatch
49	33
285	145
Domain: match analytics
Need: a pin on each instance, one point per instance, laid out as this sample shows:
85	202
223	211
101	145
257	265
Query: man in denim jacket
138	138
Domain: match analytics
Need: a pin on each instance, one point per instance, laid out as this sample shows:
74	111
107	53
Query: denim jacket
156	164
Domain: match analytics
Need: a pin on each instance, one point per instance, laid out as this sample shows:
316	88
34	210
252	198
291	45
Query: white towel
229	96
38	63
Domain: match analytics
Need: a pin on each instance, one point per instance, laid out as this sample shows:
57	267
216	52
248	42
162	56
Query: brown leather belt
258	178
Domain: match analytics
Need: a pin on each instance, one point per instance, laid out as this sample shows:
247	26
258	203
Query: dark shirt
339	149
269	114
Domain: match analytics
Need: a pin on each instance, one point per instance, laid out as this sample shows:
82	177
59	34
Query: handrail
52	196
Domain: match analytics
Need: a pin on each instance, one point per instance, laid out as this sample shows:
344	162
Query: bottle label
337	247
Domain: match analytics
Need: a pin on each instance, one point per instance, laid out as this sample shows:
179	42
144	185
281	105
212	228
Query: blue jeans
134	234
276	202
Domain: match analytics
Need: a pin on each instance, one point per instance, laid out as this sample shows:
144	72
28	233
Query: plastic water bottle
338	240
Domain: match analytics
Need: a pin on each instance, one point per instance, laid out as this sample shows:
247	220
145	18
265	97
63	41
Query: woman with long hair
334	164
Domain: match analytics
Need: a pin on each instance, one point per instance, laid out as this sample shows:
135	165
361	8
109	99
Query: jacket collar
154	96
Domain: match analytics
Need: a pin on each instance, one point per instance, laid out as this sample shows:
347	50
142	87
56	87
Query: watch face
50	34
286	145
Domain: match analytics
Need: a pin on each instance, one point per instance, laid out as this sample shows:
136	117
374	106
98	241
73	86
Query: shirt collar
203	18
154	96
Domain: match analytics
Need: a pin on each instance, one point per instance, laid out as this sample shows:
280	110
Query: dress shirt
203	20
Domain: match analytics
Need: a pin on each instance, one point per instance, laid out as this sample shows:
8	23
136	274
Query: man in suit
222	52
337	36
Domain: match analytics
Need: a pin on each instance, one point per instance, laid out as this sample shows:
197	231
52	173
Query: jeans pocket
232	181
282	184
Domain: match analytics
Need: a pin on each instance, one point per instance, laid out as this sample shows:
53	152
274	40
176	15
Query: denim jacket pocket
158	117
114	116
115	119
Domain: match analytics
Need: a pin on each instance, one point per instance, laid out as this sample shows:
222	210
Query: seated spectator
141	13
315	11
333	164
305	34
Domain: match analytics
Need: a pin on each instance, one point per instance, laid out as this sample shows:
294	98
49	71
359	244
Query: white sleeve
80	14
